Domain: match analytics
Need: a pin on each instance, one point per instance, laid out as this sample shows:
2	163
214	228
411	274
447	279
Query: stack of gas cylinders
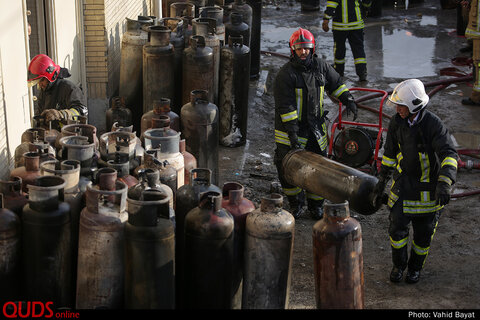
112	222
134	218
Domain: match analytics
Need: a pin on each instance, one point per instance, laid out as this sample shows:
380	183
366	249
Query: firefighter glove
51	114
442	193
325	25
352	106
294	144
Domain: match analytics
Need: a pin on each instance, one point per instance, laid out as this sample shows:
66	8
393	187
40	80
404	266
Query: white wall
14	95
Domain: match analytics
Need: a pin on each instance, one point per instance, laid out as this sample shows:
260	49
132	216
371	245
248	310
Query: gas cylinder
246	11
119	141
29	136
236	27
198	4
118	112
30	171
149	253
198	69
100	275
188	159
158	67
215	12
182	9
255	34
199	120
208	254
338	259
121	164
187	198
10	253
79	148
234	85
177	39
131	66
78	129
310	5
149	179
13	197
47	243
73	194
269	237
161	107
167	141
330	179
166	4
206	27
239	207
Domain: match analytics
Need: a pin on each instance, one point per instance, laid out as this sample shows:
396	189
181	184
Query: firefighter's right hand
51	114
294	144
325	25
378	192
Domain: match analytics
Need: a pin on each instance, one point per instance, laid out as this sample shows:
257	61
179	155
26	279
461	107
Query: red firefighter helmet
44	67
302	38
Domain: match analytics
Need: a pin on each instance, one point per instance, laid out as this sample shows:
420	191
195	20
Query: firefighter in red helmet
58	98
299	91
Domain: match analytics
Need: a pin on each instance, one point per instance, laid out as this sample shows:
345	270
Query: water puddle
401	63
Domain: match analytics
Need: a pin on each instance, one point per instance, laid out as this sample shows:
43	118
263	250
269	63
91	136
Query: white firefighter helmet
410	93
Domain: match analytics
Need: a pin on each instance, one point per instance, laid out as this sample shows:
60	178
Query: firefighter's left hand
325	25
352	106
51	114
442	193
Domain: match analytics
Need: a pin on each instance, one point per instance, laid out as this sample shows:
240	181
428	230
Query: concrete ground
415	42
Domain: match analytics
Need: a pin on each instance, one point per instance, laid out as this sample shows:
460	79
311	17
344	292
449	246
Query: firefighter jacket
63	94
346	14
473	29
299	93
419	156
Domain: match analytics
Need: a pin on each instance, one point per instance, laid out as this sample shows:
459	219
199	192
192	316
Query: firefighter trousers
423	230
355	39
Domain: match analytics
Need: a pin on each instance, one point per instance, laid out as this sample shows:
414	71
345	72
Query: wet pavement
414	42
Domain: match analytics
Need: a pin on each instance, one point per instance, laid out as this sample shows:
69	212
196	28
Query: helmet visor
300	45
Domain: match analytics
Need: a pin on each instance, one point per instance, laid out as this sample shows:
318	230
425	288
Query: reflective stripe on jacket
420	156
297	109
346	14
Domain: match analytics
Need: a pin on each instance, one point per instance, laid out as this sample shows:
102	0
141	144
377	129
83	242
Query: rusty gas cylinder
118	112
148	179
242	7
10	254
330	179
234	86
121	164
158	67
236	27
239	207
216	12
269	240
30	171
208	254
187	198
47	243
200	126
131	66
206	27
338	259
149	253
101	267
161	107
13	196
188	159
180	9
198	70
81	149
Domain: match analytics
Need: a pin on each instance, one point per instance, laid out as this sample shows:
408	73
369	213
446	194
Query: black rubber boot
296	204
412	276
315	207
396	274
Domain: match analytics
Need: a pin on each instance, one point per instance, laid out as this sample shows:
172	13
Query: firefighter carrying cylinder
332	180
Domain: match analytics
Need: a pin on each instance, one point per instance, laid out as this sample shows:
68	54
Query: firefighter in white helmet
420	154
